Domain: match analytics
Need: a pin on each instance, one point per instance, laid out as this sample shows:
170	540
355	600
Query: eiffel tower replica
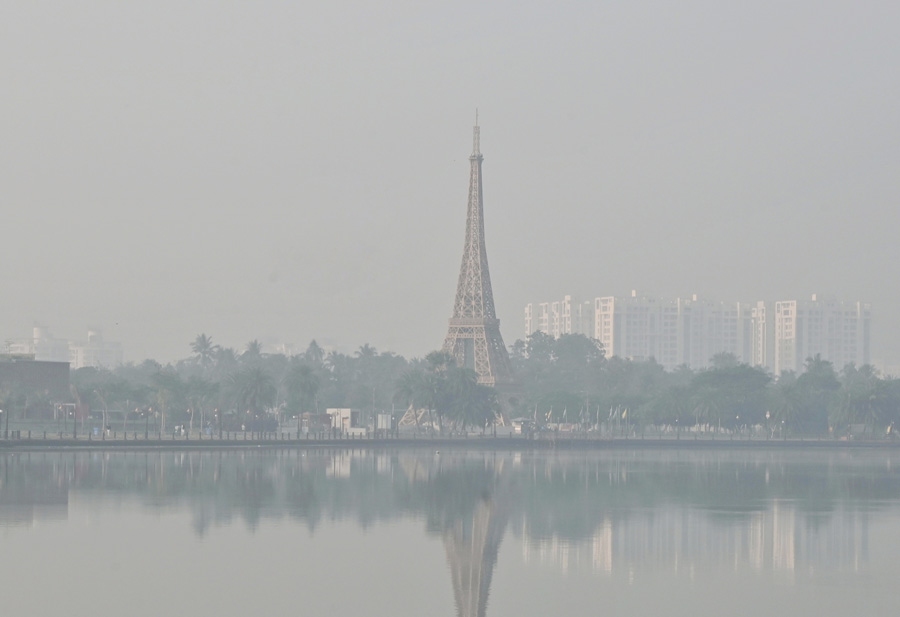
474	336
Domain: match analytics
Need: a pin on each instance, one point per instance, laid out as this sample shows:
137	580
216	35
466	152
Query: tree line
571	375
565	381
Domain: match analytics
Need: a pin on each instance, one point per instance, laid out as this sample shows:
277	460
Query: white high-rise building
638	327
691	331
567	316
838	331
530	321
42	345
673	331
762	345
712	327
96	352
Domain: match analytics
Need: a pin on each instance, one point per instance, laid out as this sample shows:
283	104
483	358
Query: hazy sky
296	170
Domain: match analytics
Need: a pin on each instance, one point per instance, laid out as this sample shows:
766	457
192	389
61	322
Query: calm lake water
427	533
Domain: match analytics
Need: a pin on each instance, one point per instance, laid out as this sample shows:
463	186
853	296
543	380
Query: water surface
420	532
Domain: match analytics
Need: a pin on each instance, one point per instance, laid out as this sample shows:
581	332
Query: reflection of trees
565	495
626	509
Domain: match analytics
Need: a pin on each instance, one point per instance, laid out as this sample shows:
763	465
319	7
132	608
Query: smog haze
290	171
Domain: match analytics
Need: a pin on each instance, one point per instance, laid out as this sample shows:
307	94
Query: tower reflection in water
613	512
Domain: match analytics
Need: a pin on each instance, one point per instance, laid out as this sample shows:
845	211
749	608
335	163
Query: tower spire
476	137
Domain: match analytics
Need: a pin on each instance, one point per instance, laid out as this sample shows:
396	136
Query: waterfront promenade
29	440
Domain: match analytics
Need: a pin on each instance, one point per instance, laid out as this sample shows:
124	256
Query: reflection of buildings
29	506
32	492
596	512
778	539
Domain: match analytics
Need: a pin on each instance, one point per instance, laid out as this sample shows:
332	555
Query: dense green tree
817	390
730	394
303	383
254	391
413	391
202	398
558	374
170	395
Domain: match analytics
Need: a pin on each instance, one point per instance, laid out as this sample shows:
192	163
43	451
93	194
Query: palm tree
414	390
253	390
169	389
225	363
366	352
253	352
201	395
204	349
314	354
440	361
467	402
864	399
101	395
785	402
303	384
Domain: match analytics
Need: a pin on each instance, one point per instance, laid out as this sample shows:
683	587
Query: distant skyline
290	172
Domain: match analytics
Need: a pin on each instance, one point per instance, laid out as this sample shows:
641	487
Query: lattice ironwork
474	335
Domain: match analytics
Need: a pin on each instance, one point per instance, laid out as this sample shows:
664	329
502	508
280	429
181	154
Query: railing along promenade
19	438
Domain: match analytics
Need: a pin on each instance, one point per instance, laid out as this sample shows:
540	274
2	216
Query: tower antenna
476	137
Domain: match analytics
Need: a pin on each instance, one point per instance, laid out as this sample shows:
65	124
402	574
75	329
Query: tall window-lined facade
690	331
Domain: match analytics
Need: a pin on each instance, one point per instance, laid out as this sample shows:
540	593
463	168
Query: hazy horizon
290	172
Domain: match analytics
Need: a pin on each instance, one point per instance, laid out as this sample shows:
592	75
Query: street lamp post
1	418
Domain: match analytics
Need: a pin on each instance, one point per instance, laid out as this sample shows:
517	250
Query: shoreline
457	443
